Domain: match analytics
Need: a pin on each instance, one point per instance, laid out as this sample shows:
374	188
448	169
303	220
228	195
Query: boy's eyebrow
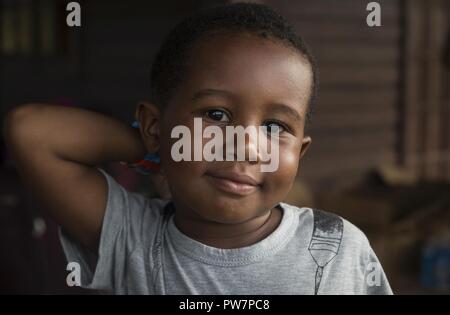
213	92
285	109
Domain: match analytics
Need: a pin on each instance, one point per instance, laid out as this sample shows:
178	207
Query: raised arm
57	150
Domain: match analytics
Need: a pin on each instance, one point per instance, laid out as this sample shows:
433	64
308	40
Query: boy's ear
306	142
148	116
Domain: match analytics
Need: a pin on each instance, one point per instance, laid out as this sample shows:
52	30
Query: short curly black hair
169	66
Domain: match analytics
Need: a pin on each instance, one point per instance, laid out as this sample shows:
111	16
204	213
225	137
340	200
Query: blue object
153	157
436	265
135	124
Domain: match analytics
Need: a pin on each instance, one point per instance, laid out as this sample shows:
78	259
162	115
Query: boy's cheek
288	161
185	170
282	179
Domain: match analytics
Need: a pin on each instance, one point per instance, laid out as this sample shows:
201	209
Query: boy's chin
228	214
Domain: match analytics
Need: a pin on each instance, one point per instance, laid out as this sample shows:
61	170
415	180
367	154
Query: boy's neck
229	236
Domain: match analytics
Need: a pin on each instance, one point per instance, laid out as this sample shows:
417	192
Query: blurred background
381	137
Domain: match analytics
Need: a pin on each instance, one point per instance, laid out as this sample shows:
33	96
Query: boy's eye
274	128
217	115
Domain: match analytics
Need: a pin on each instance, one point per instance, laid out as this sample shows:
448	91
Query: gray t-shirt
141	251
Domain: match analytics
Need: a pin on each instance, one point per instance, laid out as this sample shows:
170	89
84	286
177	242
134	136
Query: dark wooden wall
425	145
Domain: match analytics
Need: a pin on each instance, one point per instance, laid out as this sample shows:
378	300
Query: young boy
225	229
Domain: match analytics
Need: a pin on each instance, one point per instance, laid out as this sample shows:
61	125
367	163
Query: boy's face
237	80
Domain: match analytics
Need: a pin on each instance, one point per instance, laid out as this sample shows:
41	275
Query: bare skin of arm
57	151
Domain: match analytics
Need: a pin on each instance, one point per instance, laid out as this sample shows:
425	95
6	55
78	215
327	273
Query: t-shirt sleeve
376	282
362	265
130	220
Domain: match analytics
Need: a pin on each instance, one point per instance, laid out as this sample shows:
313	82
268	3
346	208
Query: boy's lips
233	182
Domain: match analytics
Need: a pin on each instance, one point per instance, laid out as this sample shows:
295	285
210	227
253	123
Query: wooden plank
349	121
324	166
345	9
342	35
327	139
343	53
337	147
367	96
363	75
411	101
423	128
435	37
446	100
446	119
363	109
338	32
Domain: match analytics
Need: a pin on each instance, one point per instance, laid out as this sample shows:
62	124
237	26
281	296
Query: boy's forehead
249	66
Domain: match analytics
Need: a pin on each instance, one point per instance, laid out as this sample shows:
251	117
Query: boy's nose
252	151
247	150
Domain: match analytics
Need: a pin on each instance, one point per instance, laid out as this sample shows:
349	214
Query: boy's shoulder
327	225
